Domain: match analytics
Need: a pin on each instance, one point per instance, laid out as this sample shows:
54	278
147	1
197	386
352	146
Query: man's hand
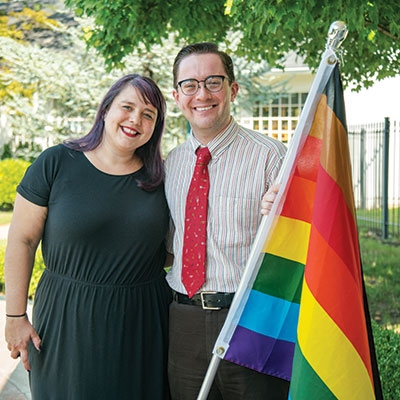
268	199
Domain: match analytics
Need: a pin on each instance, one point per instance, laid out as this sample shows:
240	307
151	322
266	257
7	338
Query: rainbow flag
334	356
300	314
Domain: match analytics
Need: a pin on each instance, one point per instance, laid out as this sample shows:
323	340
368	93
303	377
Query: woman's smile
130	132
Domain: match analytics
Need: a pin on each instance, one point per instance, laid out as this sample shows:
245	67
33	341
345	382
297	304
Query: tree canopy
51	83
268	30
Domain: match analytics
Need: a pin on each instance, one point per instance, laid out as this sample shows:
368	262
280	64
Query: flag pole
209	378
336	35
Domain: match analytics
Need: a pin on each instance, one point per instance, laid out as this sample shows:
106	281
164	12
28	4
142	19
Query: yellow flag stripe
289	239
330	353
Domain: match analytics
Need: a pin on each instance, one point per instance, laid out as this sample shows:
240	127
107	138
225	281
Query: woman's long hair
150	152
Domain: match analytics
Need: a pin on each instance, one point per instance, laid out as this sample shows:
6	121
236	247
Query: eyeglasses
212	83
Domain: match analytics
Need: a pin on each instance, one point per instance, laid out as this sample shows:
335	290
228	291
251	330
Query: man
243	166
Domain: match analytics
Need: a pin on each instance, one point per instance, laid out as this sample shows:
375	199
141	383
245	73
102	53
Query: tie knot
203	156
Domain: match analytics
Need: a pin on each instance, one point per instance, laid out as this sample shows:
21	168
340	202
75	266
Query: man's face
207	112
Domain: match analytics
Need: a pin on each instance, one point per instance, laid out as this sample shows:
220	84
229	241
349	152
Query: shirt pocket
235	221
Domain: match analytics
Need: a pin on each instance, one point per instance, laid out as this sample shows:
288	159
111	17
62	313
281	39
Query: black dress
101	306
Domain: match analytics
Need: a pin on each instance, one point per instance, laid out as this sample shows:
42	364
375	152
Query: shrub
2	249
11	173
36	273
387	346
38	269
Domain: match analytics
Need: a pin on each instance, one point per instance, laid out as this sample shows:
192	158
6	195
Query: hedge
36	273
11	172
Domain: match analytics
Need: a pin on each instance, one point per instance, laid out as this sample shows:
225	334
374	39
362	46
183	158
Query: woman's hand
24	235
268	199
19	332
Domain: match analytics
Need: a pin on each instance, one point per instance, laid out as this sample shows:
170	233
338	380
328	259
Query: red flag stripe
338	215
308	162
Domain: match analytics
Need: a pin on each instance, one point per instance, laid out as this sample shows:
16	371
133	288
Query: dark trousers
193	332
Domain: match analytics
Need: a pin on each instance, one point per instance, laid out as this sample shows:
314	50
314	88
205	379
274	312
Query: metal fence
375	157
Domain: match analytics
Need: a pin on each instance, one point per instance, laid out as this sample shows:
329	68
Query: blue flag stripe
282	316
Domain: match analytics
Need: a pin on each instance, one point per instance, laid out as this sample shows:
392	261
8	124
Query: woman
97	203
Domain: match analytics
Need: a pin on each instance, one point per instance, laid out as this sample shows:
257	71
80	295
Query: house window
279	118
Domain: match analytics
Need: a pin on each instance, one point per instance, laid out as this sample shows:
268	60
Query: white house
279	118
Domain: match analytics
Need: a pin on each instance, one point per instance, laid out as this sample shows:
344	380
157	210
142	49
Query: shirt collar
220	142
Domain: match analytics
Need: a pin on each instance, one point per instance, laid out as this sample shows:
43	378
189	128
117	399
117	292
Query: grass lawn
372	220
381	266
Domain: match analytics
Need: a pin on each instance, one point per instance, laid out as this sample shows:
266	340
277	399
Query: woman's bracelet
16	316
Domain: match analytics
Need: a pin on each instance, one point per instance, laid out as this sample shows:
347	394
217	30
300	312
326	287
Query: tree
50	83
269	30
55	89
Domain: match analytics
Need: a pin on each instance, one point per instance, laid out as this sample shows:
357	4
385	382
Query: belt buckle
203	301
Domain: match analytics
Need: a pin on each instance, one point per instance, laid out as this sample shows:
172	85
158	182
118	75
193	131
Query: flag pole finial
336	35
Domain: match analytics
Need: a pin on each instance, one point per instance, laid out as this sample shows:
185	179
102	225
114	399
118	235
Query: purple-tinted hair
150	152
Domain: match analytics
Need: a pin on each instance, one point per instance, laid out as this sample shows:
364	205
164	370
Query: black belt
207	300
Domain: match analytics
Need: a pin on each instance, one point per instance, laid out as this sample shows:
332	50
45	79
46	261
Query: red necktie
195	237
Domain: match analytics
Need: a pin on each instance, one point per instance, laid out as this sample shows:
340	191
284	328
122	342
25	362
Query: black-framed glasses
212	83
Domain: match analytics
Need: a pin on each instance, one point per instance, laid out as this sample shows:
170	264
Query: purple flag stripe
261	353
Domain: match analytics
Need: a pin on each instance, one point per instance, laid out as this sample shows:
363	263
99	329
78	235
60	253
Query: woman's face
130	122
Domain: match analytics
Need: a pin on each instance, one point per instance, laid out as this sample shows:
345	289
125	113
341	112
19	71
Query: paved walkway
14	383
3	231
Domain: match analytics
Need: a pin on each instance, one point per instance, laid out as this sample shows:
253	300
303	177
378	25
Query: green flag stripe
280	277
306	384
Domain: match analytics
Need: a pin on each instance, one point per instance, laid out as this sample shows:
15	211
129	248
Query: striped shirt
244	164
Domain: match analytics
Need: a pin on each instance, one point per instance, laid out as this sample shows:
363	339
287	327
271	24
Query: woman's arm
24	235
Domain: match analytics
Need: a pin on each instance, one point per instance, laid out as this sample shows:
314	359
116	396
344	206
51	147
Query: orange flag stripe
299	201
334	144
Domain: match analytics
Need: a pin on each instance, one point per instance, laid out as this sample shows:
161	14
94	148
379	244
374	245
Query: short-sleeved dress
101	306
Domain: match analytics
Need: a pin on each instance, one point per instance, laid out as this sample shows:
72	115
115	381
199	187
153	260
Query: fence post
362	169
385	180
